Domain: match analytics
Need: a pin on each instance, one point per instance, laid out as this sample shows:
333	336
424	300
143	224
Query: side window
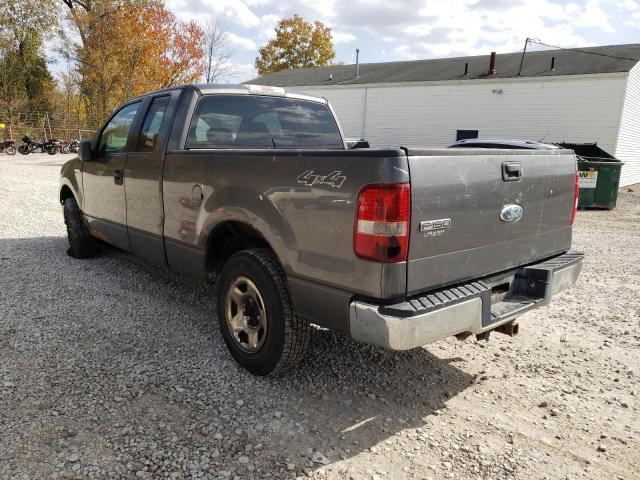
152	122
466	134
114	136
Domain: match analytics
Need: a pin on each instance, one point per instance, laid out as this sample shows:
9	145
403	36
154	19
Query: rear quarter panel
307	220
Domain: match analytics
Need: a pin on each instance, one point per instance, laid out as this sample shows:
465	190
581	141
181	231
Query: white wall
628	149
585	108
348	105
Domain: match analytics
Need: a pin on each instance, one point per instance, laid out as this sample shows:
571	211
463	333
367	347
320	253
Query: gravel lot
114	368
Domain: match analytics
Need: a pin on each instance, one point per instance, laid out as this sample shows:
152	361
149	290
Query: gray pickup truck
256	189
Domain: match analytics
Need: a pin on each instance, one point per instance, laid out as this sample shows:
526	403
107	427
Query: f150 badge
431	228
511	213
335	179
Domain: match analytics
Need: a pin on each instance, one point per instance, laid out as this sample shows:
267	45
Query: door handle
511	171
118	177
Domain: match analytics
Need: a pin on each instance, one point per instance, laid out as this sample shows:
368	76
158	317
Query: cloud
342	37
241	72
227	11
241	42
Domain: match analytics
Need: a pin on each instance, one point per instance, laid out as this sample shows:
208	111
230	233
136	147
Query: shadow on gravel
143	341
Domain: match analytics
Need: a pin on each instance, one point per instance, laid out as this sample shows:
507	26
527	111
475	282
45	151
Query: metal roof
590	60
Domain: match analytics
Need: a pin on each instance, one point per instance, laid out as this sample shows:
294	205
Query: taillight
576	197
382	222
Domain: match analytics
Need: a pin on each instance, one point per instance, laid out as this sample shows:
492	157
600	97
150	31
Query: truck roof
239	89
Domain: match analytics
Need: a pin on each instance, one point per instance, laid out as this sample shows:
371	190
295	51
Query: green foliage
23	26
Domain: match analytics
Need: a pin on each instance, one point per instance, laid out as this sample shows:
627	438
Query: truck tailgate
457	198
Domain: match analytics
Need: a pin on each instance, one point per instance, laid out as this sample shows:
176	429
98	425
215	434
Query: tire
10	150
52	150
81	243
24	149
64	148
285	338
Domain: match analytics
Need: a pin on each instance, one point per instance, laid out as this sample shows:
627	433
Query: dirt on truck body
255	186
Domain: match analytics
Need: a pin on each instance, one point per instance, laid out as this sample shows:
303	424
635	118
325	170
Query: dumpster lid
589	151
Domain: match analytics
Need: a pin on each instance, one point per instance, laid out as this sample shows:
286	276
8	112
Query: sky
389	30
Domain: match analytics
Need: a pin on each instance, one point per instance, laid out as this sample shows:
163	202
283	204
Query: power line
538	42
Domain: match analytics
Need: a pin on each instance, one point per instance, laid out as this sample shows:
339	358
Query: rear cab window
257	121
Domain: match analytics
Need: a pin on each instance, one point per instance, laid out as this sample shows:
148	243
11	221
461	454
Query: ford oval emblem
511	213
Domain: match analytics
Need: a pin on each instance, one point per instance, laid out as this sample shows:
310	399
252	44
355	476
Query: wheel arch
70	182
66	192
229	237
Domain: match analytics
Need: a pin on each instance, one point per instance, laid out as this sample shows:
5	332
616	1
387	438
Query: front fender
71	177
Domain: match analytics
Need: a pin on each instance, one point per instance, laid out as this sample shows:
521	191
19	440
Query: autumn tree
297	44
131	47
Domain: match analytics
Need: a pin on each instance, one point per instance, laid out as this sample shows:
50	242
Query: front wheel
10	150
256	315
81	243
24	149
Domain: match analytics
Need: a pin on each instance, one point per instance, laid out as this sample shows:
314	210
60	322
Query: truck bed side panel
302	202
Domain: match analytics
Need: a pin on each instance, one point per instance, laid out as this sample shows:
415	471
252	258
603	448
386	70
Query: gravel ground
114	368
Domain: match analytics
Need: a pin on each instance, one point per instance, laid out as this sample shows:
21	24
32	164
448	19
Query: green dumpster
599	175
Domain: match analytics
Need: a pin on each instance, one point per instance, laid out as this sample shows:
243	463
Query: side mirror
84	151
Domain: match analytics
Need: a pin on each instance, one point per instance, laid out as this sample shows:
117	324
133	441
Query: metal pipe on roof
357	62
526	42
492	64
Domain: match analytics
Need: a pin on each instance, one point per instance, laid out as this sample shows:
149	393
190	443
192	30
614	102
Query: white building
585	95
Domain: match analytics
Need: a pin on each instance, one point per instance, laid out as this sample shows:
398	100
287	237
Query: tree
24	24
216	54
298	44
128	47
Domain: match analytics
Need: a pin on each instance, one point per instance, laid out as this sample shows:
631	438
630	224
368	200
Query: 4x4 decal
335	179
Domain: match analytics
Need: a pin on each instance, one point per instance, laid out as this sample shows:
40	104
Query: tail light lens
382	222
575	199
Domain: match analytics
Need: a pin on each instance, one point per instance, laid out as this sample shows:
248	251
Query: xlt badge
435	227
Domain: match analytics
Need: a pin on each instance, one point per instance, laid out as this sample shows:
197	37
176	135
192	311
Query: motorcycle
52	146
8	147
69	146
31	146
74	145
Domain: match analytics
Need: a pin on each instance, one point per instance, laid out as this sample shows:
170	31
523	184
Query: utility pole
526	42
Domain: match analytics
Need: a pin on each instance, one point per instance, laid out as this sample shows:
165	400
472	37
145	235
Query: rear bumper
467	308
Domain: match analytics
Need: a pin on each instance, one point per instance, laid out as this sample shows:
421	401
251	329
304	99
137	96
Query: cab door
143	178
103	178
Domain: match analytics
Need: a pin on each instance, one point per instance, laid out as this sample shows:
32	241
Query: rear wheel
52	150
257	318
10	150
81	243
